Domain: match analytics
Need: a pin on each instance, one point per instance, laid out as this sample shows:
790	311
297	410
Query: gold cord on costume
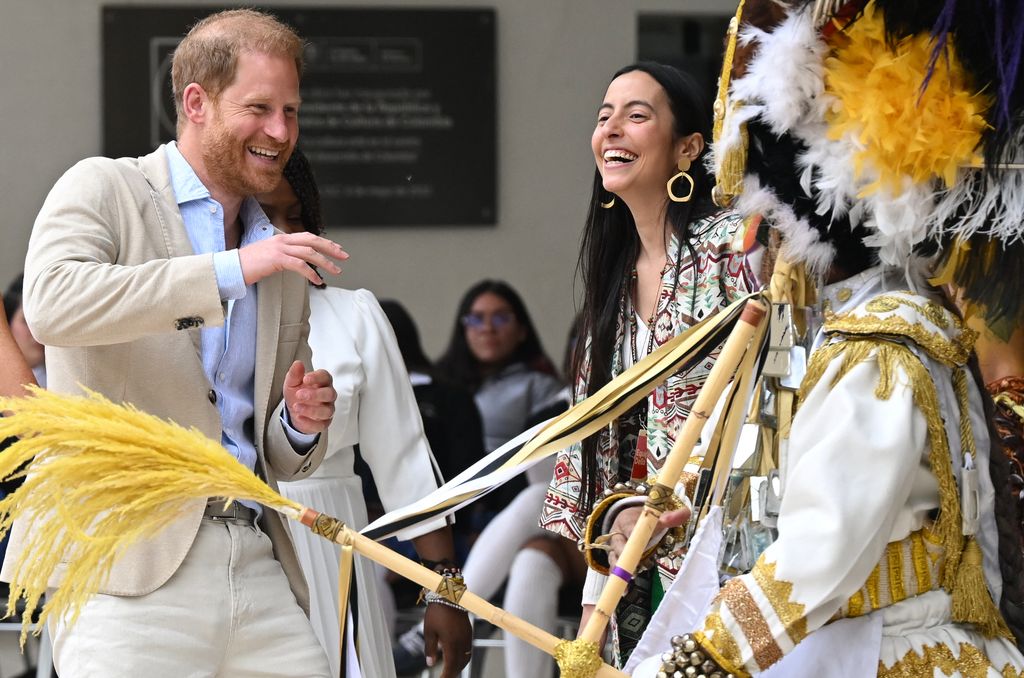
962	576
972	600
577	658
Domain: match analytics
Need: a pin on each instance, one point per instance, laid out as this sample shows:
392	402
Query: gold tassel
344	588
972	602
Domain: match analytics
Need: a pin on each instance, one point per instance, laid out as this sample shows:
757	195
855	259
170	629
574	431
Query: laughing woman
656	258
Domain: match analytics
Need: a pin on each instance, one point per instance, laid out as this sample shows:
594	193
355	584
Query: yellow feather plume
99	477
902	131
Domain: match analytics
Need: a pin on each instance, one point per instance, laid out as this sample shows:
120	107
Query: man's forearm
436	546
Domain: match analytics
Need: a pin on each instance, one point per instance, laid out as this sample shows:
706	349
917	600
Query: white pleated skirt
340	496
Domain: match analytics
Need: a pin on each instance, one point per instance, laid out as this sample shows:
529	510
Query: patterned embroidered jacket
871	521
709	282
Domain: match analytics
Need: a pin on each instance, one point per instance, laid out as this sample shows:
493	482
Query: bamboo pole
732	354
338	532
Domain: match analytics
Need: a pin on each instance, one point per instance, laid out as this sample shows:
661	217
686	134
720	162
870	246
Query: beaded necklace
631	310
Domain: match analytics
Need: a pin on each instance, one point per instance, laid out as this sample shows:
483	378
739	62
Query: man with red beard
159	281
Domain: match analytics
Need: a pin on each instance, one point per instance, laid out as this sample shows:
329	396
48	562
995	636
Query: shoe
409	652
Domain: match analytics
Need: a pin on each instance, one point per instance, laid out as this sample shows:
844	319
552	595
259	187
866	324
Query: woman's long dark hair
12	297
407	336
610	244
458	363
298	172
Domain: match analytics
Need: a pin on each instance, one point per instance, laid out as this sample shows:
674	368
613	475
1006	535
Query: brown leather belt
235	513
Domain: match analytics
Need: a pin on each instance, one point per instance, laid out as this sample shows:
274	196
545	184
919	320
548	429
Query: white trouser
226	612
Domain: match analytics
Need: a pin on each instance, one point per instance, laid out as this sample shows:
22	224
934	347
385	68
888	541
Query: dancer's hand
448	630
625	522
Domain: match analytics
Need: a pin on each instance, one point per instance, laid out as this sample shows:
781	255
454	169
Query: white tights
533	577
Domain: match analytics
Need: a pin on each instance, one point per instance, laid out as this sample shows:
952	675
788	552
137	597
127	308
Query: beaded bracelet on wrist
440	566
688	660
431	597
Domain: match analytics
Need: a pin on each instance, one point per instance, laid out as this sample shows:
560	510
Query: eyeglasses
476	321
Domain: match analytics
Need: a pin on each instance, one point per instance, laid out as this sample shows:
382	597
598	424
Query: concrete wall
554	61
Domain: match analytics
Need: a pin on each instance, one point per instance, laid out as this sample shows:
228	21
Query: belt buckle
236	512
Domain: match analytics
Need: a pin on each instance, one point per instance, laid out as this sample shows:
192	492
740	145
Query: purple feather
1009	56
1008	45
940	35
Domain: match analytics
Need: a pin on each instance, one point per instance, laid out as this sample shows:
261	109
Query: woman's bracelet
430	597
688	659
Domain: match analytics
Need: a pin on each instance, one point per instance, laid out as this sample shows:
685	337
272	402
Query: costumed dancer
352	339
881	139
656	258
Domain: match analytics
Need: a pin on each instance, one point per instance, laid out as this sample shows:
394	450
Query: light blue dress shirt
228	352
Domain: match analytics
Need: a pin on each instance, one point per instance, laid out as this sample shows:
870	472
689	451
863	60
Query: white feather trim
997	211
787	74
828	164
801	242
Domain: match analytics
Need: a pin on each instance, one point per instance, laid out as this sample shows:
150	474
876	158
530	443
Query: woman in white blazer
351	338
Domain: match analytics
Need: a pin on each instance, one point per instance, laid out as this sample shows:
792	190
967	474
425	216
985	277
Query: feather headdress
883	129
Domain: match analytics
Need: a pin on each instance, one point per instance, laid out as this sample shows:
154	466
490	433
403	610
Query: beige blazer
115	292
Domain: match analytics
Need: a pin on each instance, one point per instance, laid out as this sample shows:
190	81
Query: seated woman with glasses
495	353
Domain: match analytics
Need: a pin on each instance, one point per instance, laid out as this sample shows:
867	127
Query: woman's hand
626	520
588	611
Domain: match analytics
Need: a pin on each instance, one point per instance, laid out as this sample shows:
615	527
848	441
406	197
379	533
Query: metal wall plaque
398	114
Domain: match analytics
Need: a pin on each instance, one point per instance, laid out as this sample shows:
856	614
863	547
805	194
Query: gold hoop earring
684	164
608	205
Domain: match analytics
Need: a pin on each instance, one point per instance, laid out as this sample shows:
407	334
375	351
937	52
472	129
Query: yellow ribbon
344	588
